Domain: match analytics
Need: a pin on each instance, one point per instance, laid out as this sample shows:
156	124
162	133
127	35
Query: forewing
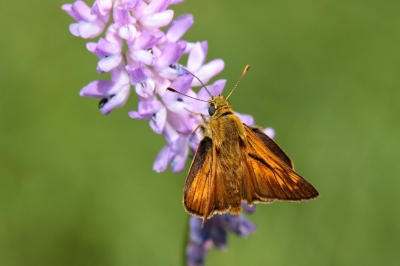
198	183
272	146
271	177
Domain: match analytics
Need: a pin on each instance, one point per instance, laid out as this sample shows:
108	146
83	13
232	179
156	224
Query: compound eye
211	109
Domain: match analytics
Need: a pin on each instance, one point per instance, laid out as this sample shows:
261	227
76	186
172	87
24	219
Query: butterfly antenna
174	90
240	79
204	86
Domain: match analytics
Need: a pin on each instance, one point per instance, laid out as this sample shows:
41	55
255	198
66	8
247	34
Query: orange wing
272	146
198	194
272	176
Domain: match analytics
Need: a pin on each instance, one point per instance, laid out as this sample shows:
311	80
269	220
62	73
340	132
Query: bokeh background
77	187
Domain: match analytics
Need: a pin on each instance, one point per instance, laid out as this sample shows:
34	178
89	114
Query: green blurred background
77	187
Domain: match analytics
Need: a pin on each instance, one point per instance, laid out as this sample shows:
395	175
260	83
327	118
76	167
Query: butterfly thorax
224	124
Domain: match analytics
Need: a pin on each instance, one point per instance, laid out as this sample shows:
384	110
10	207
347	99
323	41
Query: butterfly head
218	105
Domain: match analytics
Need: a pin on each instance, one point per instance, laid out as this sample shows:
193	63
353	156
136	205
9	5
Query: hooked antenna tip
174	90
246	69
237	83
171	89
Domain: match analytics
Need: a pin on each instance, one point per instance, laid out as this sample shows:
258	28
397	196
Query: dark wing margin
272	146
197	185
272	178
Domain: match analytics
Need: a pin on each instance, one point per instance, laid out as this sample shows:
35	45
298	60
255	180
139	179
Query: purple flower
144	85
179	27
141	48
102	7
90	22
114	93
108	52
196	65
215	233
166	65
136	52
124	22
155	111
247	119
174	153
181	121
270	132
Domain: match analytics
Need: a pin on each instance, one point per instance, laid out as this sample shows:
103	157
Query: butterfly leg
197	113
193	131
193	112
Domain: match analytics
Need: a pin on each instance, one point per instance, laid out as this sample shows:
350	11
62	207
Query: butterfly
234	163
